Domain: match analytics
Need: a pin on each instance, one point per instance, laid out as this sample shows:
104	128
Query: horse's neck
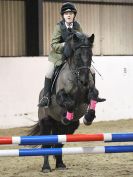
65	79
66	67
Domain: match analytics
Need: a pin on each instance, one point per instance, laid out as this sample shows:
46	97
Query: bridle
76	71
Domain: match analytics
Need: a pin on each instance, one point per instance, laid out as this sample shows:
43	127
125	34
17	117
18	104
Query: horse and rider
73	94
63	30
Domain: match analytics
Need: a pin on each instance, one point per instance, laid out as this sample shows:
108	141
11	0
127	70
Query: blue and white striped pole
72	150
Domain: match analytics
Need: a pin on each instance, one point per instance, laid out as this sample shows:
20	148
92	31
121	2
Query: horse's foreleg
65	101
93	99
59	162
90	114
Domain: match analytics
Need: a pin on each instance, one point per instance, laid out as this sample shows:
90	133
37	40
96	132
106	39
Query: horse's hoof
46	170
89	117
86	122
61	166
65	121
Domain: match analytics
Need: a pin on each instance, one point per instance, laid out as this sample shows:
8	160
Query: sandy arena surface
80	165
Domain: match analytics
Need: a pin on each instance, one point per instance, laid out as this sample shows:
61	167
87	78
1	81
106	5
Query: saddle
55	76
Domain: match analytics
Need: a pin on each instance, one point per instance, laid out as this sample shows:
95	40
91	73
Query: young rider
60	34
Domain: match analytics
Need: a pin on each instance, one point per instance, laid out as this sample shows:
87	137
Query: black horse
71	96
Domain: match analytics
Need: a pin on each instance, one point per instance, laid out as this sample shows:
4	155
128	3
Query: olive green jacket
56	53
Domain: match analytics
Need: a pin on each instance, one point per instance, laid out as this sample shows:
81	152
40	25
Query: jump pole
67	151
55	139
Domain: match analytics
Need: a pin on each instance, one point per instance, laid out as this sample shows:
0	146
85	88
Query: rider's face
69	17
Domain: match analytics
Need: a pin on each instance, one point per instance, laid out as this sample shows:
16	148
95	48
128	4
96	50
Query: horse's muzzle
84	83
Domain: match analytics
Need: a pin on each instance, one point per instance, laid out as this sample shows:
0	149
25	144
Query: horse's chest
78	93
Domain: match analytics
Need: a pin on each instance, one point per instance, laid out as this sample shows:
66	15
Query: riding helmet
68	7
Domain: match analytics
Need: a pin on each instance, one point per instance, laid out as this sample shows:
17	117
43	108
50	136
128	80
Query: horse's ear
91	38
76	36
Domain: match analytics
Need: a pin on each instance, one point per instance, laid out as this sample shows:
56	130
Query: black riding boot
44	102
97	98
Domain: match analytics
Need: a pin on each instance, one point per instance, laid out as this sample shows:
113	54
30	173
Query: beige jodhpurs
50	70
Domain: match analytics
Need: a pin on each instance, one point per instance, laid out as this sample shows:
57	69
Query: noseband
76	71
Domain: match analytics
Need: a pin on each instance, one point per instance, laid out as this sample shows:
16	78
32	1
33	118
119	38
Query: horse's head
78	51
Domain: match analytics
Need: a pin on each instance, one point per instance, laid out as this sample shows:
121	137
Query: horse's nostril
84	83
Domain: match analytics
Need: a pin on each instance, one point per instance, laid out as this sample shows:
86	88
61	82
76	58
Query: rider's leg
44	102
95	92
93	74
